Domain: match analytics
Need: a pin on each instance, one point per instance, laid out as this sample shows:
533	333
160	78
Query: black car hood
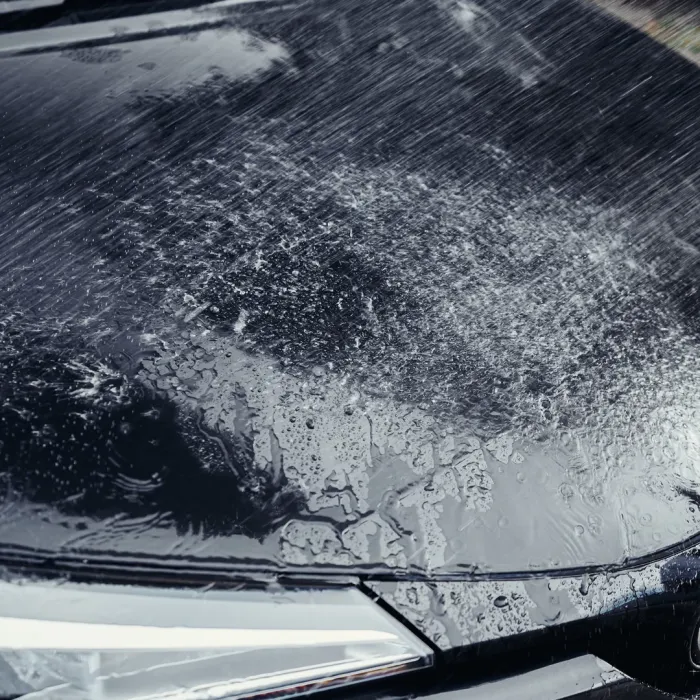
403	287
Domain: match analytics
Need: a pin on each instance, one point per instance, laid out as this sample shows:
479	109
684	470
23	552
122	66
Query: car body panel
405	289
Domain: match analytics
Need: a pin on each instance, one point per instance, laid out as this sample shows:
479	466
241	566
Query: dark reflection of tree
111	447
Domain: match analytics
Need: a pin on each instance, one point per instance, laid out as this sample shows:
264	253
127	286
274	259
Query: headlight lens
110	642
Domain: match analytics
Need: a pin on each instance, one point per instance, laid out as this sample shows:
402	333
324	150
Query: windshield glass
389	285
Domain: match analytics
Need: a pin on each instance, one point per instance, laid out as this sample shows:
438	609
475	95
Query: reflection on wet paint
314	329
460	613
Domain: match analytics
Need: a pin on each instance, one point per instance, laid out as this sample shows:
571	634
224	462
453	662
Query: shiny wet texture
110	447
406	287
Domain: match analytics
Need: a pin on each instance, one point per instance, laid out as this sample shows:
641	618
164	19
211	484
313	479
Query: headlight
118	642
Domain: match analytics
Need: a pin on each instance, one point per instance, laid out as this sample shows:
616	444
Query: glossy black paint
406	290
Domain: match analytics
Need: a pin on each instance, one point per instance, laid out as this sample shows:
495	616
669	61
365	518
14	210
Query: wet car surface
401	288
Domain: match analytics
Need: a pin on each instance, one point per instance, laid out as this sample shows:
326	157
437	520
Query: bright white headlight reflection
126	643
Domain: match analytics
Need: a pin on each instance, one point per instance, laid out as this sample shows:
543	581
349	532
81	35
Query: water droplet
310	423
595	523
501	601
566	491
579	530
585	584
318	371
349	410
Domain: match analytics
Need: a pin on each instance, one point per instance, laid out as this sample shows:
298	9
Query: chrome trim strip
7	6
122	29
566	679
